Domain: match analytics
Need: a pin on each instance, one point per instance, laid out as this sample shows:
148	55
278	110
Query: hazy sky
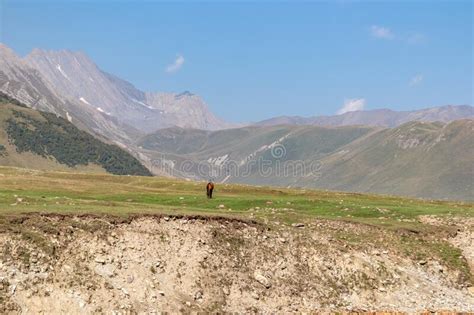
254	60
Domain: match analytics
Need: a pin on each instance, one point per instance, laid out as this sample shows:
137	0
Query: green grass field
122	195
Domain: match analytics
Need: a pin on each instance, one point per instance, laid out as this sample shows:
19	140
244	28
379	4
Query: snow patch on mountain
141	103
263	148
58	66
218	161
69	118
84	101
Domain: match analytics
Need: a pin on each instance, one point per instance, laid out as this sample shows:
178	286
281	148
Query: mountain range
420	159
377	117
71	85
422	153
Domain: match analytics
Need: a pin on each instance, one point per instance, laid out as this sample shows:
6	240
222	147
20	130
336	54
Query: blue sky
255	60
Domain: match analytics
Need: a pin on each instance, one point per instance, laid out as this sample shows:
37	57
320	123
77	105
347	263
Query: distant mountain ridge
377	117
71	85
75	75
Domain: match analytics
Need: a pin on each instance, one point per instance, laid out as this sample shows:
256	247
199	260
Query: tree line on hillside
54	136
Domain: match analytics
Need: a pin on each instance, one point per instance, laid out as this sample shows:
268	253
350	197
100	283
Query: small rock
226	290
298	225
130	279
471	290
100	260
221	206
166	218
108	286
161	293
198	295
262	280
255	295
422	262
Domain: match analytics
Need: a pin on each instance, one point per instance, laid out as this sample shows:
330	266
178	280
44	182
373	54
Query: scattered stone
298	225
100	260
471	290
198	295
130	279
262	280
221	206
108	286
422	262
226	290
161	293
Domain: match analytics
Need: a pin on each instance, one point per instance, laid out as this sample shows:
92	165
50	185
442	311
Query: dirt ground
52	264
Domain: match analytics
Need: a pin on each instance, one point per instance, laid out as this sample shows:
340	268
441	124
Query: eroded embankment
146	264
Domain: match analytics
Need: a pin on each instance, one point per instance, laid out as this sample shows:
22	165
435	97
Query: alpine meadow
236	157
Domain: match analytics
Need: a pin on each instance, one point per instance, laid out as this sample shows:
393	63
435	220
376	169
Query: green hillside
431	160
33	139
419	159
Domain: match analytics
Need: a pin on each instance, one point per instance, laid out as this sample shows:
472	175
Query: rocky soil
150	264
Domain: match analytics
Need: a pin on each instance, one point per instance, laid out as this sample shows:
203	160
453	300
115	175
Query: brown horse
209	189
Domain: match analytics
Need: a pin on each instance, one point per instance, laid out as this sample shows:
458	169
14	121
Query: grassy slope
430	160
43	141
27	159
26	191
93	193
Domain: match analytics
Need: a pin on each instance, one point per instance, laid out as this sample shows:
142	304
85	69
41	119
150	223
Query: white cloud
416	80
176	65
381	32
351	105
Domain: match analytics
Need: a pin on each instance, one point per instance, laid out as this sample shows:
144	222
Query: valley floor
82	243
